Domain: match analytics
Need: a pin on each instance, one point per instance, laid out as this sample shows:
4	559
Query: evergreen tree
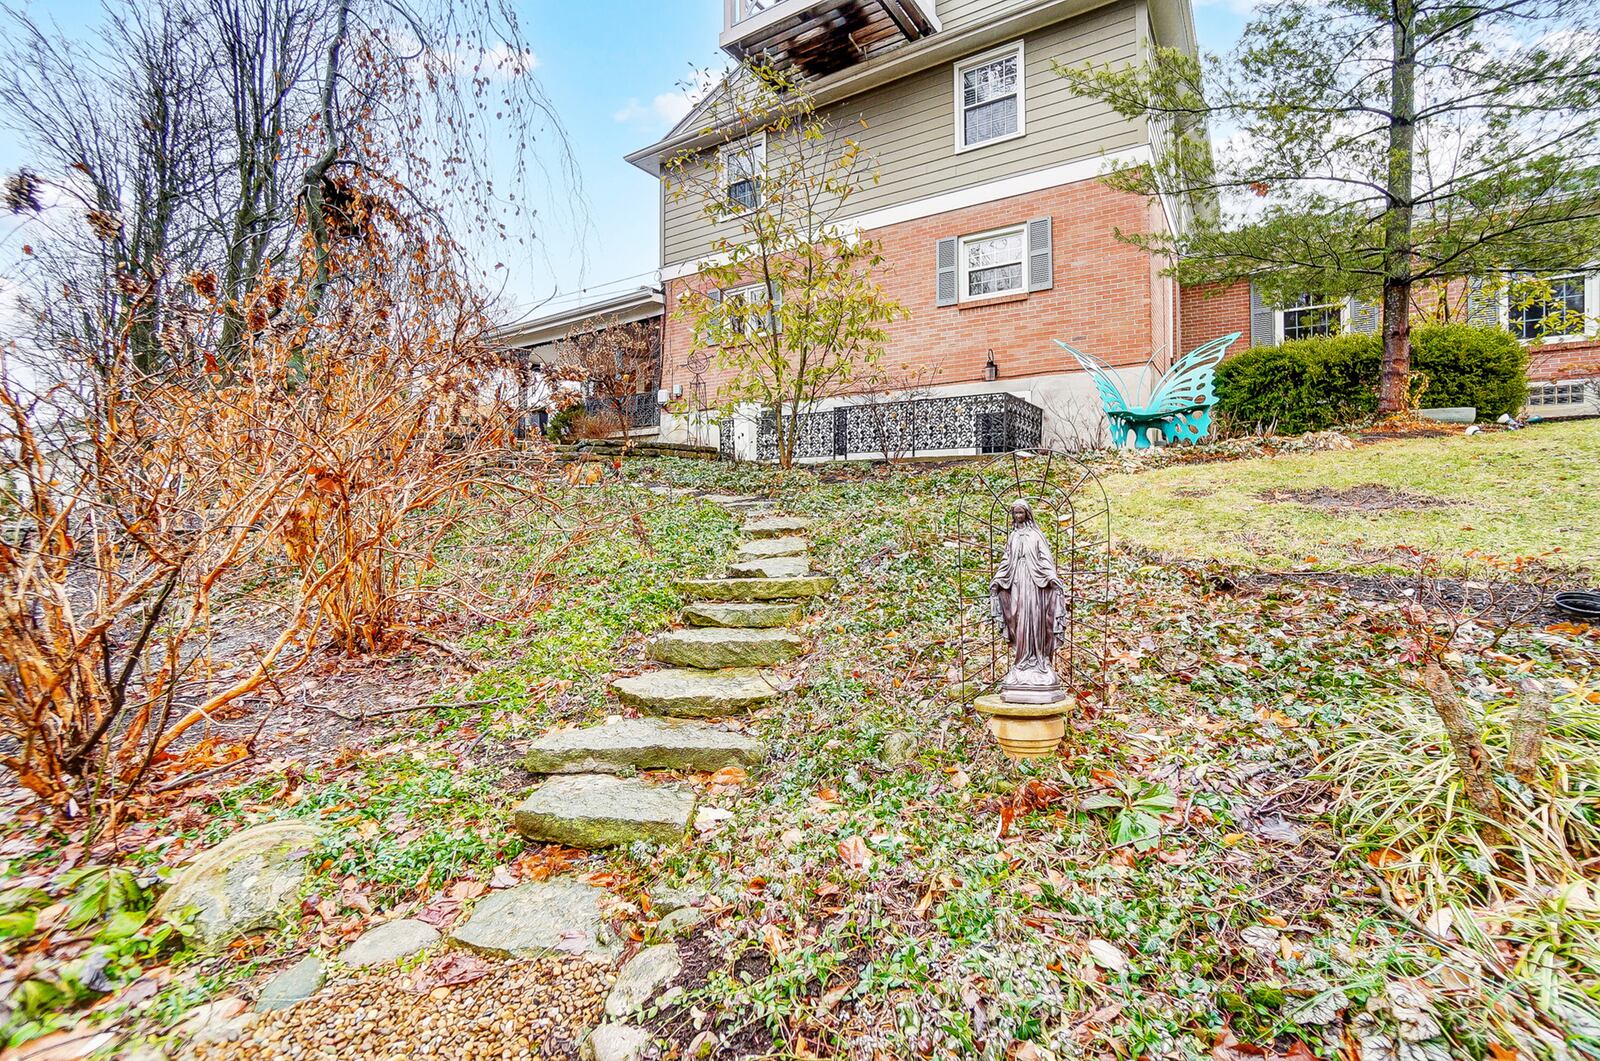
1365	147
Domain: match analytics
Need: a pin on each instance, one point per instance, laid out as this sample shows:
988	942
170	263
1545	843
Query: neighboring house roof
635	304
1171	21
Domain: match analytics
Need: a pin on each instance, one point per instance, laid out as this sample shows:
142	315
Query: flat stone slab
696	693
710	648
597	810
775	526
649	972
294	985
771	567
389	942
733	589
762	548
749	615
642	744
561	916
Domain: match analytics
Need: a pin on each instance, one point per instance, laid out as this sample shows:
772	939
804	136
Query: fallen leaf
451	969
1108	955
856	853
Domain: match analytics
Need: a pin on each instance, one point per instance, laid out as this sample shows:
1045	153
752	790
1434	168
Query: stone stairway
715	668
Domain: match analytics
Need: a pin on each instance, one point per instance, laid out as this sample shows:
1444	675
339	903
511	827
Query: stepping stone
650	972
744	615
561	916
389	942
615	1042
294	985
597	810
642	744
762	548
696	693
775	526
721	589
710	648
771	567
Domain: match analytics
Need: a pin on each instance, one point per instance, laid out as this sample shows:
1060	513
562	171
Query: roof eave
913	58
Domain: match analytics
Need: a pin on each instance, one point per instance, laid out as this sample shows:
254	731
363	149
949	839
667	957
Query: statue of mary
1028	600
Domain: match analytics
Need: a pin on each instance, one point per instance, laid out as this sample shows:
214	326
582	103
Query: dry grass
1526	493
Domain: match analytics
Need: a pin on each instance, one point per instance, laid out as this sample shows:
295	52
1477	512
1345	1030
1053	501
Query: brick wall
1210	311
1105	299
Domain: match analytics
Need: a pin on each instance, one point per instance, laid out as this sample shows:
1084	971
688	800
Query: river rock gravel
522	1010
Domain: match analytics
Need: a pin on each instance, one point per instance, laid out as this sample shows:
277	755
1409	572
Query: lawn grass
1533	492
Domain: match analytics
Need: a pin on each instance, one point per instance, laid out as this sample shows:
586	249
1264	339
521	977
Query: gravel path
534	1009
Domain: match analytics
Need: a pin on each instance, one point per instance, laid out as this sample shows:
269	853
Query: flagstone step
598	810
776	526
761	548
689	693
746	615
712	647
560	916
642	744
756	589
771	567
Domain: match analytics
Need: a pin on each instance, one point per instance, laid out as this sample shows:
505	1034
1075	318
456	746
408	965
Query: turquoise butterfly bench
1180	405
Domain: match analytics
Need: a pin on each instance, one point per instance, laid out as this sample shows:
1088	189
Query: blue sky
614	71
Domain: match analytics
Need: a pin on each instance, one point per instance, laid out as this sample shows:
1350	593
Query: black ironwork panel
642	410
994	422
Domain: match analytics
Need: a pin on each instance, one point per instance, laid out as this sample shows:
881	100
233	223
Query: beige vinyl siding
959	14
910	126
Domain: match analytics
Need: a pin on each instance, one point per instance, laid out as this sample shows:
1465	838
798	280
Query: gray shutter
947	293
1363	316
715	295
1483	304
1262	330
1041	262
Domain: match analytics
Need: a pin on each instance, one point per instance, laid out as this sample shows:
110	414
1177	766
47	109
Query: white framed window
744	162
1551	307
993	263
1310	316
750	312
990	102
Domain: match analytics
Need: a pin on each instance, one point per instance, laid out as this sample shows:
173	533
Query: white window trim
1015	47
1347	308
961	263
1591	306
761	169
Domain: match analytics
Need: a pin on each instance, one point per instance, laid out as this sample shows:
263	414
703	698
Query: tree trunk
1395	385
1527	732
1466	747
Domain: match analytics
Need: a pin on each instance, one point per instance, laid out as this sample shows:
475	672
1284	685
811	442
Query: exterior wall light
991	371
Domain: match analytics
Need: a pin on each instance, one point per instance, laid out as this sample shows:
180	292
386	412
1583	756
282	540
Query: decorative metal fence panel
643	410
960	423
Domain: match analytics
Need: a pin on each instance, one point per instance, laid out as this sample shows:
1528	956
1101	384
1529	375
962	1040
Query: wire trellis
1069	504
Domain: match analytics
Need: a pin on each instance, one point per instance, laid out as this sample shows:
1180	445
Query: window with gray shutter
1483	302
1262	330
948	287
1363	316
1041	262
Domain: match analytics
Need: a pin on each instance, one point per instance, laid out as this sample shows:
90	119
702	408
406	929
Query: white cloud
668	108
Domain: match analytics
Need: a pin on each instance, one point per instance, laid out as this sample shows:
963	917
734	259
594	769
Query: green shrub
1303	385
1482	367
1315	384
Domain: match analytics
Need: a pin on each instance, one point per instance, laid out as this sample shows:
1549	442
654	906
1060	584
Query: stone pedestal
1025	731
